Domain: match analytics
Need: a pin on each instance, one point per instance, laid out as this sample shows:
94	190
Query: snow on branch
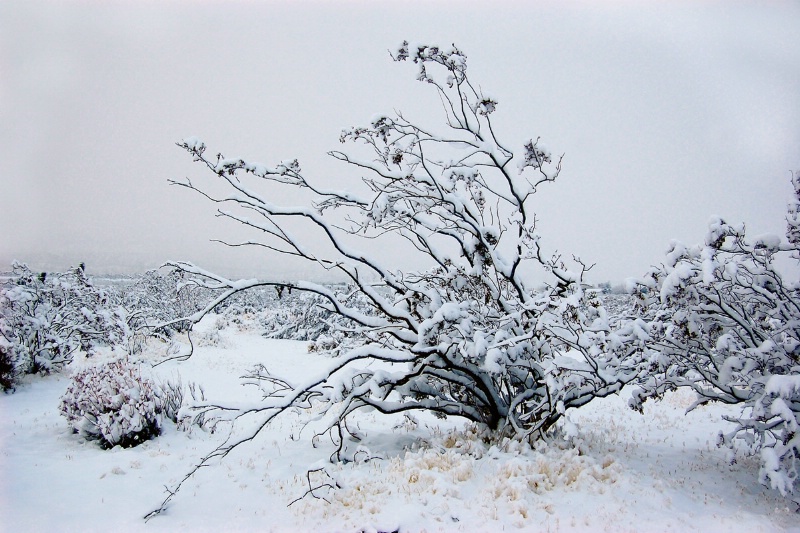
466	336
723	320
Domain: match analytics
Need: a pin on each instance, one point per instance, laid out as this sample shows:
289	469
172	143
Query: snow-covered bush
161	297
159	300
326	343
7	371
725	322
305	316
464	336
45	318
113	403
299	317
620	307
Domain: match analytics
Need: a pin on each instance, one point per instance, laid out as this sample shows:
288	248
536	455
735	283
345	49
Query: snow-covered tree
45	318
304	316
163	296
725	322
467	336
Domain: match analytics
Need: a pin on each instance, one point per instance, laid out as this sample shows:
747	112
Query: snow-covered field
621	472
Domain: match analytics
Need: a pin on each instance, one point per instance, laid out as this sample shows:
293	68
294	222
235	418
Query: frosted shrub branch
725	322
467	336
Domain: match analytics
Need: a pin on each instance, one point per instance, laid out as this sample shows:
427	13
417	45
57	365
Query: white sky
667	113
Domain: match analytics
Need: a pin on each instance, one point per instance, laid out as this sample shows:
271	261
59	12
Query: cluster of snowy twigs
723	321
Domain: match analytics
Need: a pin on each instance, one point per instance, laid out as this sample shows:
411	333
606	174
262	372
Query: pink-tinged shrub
114	404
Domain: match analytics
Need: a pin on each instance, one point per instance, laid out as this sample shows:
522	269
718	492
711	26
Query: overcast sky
667	113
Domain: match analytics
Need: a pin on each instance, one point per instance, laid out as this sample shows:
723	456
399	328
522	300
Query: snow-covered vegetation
45	318
467	337
462	396
406	472
723	321
113	403
612	469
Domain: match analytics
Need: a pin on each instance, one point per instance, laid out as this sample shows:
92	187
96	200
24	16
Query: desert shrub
170	394
7	373
466	335
114	404
326	343
45	318
160	297
620	307
304	316
724	321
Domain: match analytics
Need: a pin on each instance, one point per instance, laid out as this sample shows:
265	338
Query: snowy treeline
47	317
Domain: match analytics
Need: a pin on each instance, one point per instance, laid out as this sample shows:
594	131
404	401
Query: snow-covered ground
623	471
